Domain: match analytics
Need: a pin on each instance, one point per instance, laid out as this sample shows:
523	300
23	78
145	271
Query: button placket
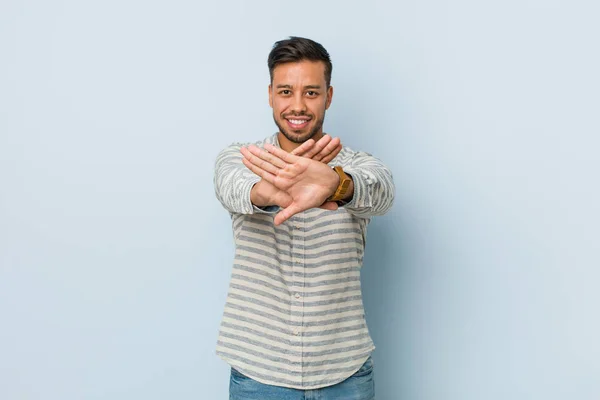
296	296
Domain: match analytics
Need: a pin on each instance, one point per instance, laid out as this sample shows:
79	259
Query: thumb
329	205
286	213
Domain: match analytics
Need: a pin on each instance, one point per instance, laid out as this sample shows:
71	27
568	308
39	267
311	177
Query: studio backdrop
115	256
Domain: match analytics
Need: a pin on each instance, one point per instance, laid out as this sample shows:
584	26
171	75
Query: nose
298	105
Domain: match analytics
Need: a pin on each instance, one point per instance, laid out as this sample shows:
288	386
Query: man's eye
311	93
286	92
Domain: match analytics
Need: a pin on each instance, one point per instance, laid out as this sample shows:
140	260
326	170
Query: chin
299	137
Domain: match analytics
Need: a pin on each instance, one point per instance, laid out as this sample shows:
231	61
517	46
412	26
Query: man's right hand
264	193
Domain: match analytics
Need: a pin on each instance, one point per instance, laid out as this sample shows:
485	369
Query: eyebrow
280	86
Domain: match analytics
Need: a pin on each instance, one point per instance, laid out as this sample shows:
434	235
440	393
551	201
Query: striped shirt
294	314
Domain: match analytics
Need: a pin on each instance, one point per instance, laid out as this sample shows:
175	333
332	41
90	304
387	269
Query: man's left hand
324	150
308	182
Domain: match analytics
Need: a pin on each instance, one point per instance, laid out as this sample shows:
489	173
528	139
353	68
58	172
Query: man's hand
308	182
265	194
324	150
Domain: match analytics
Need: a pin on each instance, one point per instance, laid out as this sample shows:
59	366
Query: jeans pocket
365	369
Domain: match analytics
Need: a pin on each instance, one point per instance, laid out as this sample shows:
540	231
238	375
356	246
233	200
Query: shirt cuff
265	209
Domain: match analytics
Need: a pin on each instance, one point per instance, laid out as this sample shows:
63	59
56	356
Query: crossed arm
296	181
241	191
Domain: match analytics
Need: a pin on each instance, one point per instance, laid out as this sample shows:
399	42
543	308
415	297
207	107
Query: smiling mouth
297	123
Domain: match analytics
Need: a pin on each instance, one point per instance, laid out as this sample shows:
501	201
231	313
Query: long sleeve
374	188
233	183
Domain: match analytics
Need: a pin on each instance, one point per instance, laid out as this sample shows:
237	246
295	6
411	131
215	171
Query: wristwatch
342	188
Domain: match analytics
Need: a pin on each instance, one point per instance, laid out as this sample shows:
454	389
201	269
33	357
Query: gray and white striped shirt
294	315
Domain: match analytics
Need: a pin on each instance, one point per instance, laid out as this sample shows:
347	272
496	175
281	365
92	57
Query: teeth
297	121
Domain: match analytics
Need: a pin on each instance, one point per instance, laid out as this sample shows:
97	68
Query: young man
300	203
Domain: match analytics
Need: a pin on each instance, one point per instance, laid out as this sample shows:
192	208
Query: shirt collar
274	140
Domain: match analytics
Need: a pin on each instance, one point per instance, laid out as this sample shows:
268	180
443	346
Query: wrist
256	197
335	182
344	188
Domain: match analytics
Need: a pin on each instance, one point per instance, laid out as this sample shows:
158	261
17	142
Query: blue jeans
360	386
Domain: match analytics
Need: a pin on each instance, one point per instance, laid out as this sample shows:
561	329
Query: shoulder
236	146
349	155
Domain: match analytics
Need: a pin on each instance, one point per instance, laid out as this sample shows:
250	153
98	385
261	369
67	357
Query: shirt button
297	333
297	295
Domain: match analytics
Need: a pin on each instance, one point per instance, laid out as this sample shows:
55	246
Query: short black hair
297	49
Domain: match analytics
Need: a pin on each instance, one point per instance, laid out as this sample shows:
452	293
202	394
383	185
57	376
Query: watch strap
343	186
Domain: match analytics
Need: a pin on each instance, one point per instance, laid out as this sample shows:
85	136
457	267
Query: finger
335	143
330	157
270	158
281	154
333	154
303	148
260	172
256	161
329	205
286	213
318	147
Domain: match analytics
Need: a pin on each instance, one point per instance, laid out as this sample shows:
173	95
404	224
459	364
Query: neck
290	146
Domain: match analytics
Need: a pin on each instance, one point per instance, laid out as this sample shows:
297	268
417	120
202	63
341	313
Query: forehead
305	72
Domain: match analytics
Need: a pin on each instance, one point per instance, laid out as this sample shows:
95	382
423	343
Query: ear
329	97
270	96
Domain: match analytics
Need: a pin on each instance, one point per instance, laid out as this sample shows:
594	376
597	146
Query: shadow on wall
386	276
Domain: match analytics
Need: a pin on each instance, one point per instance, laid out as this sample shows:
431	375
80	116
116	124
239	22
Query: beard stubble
295	138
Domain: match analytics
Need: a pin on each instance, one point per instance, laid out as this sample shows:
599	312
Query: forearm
372	190
233	182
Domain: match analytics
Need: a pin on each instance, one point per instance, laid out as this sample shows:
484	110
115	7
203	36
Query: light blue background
481	282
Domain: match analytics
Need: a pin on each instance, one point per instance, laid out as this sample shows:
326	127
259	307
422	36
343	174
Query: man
300	203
